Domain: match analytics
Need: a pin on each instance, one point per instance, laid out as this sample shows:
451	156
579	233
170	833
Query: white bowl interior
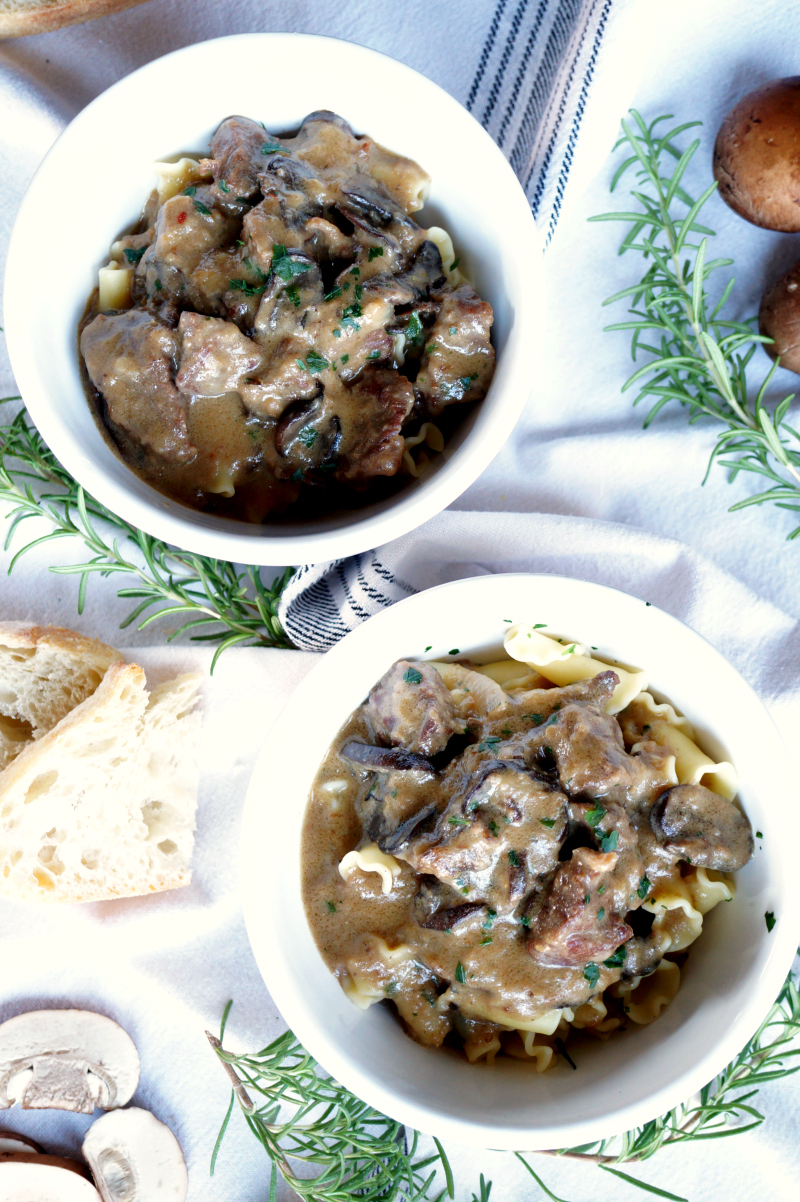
733	972
101	171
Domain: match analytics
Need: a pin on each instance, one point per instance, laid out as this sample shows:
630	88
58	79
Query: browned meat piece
187	228
378	405
697	825
371	209
411	707
291	301
445	920
237	155
130	358
215	355
325	242
458	364
568	929
423	276
281	386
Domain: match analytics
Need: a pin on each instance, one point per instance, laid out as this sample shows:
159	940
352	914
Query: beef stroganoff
510	851
278	334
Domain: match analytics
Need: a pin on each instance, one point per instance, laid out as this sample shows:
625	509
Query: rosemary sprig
342	1146
696	356
214	601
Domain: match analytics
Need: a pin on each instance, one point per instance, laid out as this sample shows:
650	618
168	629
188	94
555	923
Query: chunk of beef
215	355
350	329
425	275
237	156
458	364
285	387
307	436
702	827
568	928
371	417
130	358
411	707
290	305
187	227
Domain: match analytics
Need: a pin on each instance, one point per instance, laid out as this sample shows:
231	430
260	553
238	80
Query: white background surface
165	966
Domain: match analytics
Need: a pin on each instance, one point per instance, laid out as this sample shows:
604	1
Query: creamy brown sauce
524	841
288	325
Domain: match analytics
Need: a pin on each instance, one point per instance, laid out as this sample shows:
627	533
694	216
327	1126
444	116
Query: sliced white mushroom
11	1141
135	1158
44	1179
66	1060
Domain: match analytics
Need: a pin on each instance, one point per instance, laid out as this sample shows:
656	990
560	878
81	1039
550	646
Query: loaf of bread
44	673
103	804
19	17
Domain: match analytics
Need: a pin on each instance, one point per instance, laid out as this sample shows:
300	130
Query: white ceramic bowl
732	975
93	183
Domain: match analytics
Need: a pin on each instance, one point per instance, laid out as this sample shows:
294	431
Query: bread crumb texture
103	804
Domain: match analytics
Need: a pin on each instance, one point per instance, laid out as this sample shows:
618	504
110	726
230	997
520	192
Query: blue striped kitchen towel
550	83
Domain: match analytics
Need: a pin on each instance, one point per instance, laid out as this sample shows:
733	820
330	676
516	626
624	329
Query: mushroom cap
135	1158
702	827
12	1141
757	156
66	1060
779	319
44	1179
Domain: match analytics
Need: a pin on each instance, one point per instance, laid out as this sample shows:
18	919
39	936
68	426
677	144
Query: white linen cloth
568	494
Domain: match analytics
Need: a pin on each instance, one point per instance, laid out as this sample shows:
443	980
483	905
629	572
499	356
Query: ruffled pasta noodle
647	997
661	724
370	858
429	435
564	663
114	286
172	178
473	692
444	244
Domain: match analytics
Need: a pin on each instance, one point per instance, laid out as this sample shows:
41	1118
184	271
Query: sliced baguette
20	17
103	805
45	672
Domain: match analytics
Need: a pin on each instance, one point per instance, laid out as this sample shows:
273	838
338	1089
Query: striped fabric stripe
530	91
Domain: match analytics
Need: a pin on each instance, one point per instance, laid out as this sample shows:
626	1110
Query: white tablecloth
165	966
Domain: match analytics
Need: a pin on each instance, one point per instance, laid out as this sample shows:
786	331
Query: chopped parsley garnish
315	362
349	315
375	252
490	917
412	676
201	208
454	820
190	191
245	200
602	889
430	648
273	147
548	822
595	815
345	358
334	292
601	913
391	988
157	285
453	652
539	625
465	381
284	265
513	859
331	907
414	328
592	974
455	264
587	898
526	922
493	827
337	333
293	293
359	291
430	349
355	271
759	835
297	476
374	355
535	718
619	957
133	256
308	436
769	918
245	287
461	976
609	841
505	731
452	330
489	743
221	184
485	940
430	1000
643	887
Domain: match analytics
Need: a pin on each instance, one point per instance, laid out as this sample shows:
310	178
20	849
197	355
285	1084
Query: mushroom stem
245	1100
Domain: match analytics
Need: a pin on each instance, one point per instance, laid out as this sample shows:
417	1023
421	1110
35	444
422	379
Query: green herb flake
454	820
526	922
539	625
391	988
592	974
334	292
618	958
271	146
643	887
595	815
429	647
485	940
316	362
158	286
308	436
454	264
355	271
609	841
375	252
759	835
350	314
536	719
297	476
412	676
331	907
494	828
345	359
133	256
769	918
201	208
430	349
221	184
461	976
414	328
586	899
455	651
245	287
601	913
513	859
374	355
431	1000
490	917
550	822
190	191
293	293
284	266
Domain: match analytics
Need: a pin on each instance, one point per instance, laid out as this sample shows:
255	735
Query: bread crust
25	636
43	17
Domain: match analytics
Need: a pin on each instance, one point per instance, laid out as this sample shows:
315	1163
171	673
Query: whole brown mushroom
779	319
757	156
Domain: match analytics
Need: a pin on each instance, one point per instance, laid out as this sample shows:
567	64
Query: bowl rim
281	975
208	534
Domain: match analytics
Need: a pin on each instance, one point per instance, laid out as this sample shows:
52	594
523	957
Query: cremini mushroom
135	1158
66	1060
757	156
39	1178
779	319
702	828
20	1145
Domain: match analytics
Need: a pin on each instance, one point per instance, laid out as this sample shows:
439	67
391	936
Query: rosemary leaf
232	605
694	354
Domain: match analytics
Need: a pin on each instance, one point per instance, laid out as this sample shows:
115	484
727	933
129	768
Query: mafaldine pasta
513	851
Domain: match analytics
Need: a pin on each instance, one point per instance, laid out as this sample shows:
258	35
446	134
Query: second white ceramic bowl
94	180
733	972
